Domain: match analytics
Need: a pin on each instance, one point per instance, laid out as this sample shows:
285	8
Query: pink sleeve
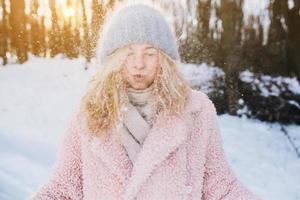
65	182
220	182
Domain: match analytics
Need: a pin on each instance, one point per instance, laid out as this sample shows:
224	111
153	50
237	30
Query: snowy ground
37	99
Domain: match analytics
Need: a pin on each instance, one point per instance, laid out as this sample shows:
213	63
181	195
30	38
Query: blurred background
255	43
245	54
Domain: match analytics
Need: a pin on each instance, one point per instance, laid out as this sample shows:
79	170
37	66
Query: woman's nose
139	62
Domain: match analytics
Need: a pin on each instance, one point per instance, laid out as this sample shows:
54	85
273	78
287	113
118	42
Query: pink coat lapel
165	136
110	150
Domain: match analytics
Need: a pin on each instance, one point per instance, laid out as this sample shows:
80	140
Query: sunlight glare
68	12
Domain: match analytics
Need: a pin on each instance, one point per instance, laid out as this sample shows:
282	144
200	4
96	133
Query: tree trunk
19	32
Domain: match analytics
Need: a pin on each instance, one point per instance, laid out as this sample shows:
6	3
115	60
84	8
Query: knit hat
137	23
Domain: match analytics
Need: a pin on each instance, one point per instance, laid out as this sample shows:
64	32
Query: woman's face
141	65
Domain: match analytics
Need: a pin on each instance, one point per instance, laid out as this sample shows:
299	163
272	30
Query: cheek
152	65
126	73
127	69
126	66
152	72
153	61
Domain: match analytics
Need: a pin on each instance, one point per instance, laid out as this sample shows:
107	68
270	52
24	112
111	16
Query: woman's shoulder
199	101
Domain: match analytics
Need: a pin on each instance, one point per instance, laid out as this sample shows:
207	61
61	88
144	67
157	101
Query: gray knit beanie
137	23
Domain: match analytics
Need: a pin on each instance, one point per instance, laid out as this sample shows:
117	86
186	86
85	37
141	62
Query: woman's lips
138	77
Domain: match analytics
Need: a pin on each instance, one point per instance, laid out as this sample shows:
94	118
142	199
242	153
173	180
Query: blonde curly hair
107	91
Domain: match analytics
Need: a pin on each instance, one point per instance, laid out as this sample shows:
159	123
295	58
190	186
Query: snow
254	7
262	157
273	83
292	102
291	4
201	75
37	99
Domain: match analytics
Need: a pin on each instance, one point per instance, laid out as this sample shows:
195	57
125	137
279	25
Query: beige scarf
137	120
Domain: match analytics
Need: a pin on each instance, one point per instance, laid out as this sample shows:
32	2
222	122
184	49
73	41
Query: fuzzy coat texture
182	158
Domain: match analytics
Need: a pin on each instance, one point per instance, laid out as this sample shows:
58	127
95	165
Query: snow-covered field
37	98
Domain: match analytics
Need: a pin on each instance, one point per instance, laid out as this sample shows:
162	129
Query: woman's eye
149	54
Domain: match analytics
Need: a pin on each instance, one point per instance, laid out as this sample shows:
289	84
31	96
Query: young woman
140	131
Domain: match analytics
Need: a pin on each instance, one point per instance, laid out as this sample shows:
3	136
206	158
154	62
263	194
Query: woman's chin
139	86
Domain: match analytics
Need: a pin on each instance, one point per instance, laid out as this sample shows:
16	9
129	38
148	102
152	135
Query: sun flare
68	12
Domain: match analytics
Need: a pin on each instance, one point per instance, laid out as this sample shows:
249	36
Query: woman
140	131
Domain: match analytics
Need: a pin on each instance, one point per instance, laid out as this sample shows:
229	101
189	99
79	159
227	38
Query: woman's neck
139	96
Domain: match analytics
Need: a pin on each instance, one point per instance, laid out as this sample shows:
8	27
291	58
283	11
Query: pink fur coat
182	158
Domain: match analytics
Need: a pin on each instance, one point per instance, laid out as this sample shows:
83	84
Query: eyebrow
150	47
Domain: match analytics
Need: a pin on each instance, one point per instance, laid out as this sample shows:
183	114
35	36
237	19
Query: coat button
189	188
